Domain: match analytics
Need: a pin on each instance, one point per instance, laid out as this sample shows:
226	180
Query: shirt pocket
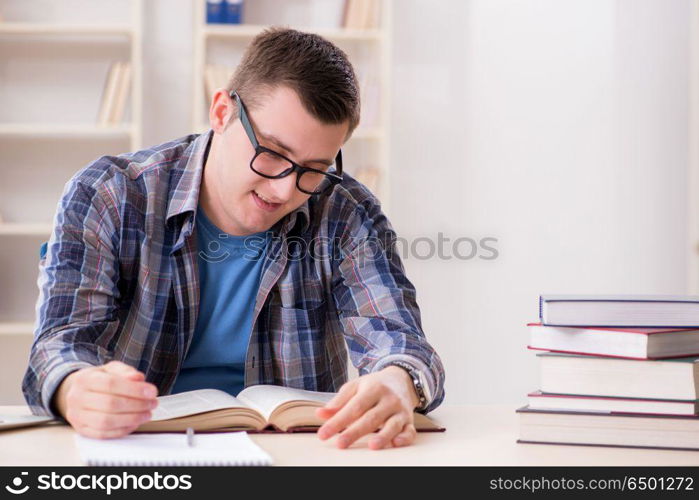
306	294
299	334
303	318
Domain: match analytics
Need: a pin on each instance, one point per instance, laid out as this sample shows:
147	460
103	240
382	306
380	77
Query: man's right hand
107	401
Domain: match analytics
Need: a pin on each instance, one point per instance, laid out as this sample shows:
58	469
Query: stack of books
616	371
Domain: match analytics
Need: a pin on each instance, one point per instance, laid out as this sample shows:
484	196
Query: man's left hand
385	399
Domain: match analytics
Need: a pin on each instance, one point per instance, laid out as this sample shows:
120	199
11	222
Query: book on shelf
258	408
637	343
224	11
216	76
233	11
209	82
108	94
115	94
651	311
370	95
122	94
539	400
584	375
361	14
369	176
601	429
214	11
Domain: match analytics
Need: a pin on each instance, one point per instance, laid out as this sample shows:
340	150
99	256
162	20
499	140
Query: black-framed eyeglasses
272	165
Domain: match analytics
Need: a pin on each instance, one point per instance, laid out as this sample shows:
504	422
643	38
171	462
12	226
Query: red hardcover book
632	343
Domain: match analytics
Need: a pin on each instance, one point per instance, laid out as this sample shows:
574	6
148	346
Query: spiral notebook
229	448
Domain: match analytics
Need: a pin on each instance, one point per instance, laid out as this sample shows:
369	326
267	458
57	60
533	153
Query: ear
221	111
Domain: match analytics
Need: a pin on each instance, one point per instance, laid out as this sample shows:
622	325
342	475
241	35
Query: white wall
559	127
167	75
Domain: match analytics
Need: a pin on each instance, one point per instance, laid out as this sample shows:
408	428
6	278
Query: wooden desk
476	435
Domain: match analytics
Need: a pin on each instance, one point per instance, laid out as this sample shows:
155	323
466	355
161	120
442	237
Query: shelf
65	29
367	133
245	31
17	328
65	130
359	133
25	229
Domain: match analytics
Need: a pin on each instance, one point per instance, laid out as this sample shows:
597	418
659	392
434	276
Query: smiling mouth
264	204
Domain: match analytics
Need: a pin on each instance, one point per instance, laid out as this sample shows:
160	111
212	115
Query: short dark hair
317	70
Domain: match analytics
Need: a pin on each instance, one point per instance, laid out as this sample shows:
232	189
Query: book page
192	402
265	398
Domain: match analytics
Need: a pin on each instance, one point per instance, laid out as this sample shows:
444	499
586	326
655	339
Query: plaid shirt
119	281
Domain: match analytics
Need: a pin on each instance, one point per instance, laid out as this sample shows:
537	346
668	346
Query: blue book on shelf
233	11
215	10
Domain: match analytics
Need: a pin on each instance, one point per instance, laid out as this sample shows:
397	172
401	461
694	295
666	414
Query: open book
268	408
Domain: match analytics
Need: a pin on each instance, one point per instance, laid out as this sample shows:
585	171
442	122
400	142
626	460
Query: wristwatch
416	377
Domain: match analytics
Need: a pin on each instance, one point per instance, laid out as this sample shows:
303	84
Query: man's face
237	199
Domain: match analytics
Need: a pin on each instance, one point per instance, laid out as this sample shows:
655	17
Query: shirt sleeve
76	312
377	303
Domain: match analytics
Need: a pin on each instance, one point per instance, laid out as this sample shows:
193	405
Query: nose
283	189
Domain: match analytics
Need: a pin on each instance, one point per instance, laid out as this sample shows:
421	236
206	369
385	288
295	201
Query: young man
237	257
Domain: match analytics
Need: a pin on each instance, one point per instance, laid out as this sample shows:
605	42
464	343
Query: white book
570	402
353	15
675	379
591	428
367	6
651	311
108	95
123	87
637	343
223	74
230	448
369	176
209	83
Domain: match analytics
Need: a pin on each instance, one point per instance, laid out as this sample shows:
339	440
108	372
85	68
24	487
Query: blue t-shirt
229	274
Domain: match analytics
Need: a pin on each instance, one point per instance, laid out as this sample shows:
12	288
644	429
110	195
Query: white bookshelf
37	29
25	229
43	146
71	130
369	146
85	33
16	328
248	31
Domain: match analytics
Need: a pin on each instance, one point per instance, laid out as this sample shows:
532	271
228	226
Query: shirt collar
300	214
184	196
